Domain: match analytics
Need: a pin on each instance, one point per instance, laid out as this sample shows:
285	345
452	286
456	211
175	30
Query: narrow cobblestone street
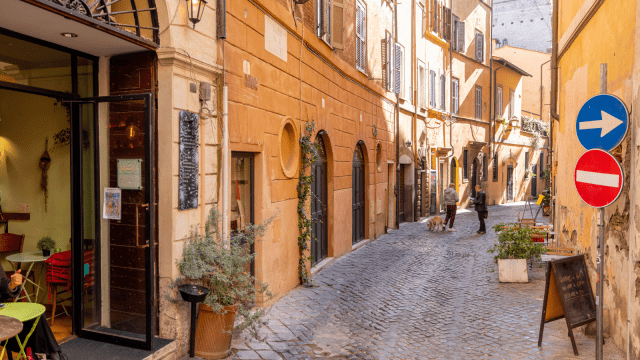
416	294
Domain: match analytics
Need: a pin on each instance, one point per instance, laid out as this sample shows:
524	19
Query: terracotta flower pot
214	332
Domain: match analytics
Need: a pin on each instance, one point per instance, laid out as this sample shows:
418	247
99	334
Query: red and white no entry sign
599	178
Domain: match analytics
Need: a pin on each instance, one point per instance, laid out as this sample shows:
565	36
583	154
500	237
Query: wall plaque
188	183
275	38
130	174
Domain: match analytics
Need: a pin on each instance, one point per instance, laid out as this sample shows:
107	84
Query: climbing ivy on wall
309	152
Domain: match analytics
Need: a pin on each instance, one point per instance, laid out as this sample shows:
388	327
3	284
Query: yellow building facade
587	35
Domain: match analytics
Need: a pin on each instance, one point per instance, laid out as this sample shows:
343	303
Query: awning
48	19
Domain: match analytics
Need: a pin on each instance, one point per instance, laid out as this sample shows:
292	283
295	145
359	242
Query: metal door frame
510	167
77	221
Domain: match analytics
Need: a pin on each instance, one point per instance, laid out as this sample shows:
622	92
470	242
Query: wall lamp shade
195	8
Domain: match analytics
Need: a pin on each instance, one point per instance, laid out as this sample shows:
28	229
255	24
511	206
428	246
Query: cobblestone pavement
416	294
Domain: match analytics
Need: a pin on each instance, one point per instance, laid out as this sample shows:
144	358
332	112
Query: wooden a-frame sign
568	295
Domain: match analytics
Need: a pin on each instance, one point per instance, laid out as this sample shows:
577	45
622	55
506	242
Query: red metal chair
58	269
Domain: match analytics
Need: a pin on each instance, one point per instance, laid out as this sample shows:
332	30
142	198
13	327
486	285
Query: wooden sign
189	164
568	295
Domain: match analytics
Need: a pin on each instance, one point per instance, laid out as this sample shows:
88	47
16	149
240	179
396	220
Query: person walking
450	200
481	207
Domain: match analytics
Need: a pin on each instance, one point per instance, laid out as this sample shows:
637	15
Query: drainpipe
542	87
553	112
397	116
414	94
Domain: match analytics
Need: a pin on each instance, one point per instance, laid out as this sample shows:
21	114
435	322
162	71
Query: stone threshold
321	265
360	244
84	349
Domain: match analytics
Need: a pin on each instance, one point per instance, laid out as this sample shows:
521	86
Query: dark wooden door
358	195
319	243
434	187
534	180
510	183
418	194
474	177
401	194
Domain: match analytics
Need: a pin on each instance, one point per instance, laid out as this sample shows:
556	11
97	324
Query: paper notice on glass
112	208
130	174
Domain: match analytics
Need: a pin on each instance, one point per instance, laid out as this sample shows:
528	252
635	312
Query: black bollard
193	294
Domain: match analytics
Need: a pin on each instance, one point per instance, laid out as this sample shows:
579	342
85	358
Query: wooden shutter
461	28
397	68
432	88
385	75
424	23
321	16
360	37
337	24
436	16
479	46
454	38
443	89
454	96
432	14
447	24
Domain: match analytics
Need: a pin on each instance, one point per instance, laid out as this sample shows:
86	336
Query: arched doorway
453	172
319	216
358	195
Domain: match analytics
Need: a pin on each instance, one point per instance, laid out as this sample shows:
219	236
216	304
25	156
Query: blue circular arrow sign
602	122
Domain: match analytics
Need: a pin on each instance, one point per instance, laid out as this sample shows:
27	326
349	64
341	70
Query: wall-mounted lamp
195	8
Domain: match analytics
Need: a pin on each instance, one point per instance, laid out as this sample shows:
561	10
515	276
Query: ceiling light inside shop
69	35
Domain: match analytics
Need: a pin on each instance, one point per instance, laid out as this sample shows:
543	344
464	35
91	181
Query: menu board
189	171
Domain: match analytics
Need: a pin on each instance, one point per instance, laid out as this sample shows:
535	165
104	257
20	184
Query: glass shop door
113	244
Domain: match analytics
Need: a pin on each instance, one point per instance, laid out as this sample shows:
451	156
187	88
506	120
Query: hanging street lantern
195	8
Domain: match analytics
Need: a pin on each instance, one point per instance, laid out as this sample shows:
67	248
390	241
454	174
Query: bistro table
32	258
22	312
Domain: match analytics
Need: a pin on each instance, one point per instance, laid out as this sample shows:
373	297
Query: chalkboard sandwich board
568	295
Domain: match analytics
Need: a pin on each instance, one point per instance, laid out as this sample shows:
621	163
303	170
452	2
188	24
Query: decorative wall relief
188	183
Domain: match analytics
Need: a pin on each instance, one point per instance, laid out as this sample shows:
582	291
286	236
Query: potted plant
46	244
546	202
222	267
514	247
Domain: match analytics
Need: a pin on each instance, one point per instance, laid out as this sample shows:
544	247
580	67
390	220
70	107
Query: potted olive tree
514	247
46	244
223	267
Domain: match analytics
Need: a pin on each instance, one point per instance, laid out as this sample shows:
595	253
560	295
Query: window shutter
321	15
479	46
443	89
360	37
385	75
422	87
337	23
465	164
432	15
436	16
461	44
448	19
454	95
454	38
424	23
397	68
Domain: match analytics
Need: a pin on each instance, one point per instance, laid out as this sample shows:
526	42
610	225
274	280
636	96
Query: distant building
523	23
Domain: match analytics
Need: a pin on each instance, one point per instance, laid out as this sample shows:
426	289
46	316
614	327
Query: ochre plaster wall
609	37
305	88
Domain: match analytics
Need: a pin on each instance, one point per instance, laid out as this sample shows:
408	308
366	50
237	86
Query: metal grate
121	14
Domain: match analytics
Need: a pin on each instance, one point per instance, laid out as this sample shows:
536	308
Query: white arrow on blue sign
602	122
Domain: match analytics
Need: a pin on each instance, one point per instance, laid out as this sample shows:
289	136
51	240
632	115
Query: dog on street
436	223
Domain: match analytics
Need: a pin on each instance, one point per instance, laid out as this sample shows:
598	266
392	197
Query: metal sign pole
599	260
599	286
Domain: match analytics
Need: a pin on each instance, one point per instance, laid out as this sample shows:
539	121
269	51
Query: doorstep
360	244
321	265
85	349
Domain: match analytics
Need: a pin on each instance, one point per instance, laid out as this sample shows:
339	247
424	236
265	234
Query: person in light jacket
481	207
450	200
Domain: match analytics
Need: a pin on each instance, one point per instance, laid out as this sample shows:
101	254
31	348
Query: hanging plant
309	156
45	163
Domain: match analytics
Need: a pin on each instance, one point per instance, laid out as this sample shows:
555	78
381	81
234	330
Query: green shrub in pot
46	244
221	266
514	242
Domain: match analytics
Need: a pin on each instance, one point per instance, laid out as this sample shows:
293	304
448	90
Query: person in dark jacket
42	340
481	207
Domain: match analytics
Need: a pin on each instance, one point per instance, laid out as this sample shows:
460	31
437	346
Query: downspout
414	94
451	88
542	87
226	170
553	112
397	118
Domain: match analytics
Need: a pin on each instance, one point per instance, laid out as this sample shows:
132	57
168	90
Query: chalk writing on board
189	137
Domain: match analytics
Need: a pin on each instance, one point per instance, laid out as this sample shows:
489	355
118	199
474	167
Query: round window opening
379	156
288	148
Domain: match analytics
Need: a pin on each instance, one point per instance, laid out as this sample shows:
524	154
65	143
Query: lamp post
195	8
